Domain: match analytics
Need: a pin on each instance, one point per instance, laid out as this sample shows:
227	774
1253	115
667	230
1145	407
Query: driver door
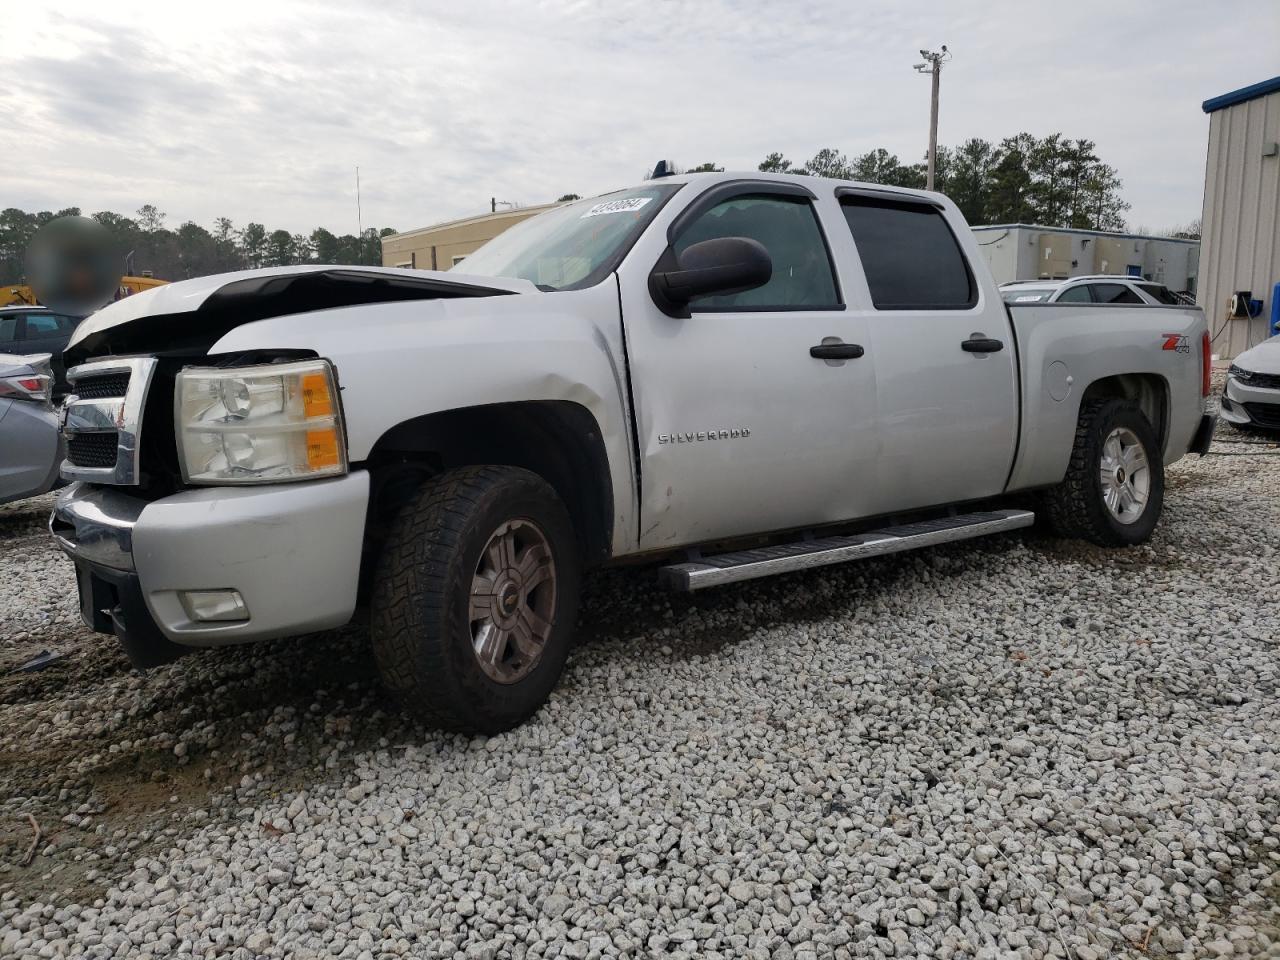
741	429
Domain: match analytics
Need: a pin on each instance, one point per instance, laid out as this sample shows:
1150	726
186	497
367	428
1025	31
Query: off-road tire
1076	507
419	619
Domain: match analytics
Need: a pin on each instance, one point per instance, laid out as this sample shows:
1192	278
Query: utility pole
933	66
359	220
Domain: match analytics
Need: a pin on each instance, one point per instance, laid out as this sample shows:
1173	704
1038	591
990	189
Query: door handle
982	345
836	351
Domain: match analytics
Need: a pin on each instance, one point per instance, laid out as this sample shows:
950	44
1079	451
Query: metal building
1025	251
1241	221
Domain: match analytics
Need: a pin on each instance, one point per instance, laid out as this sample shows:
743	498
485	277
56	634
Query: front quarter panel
398	361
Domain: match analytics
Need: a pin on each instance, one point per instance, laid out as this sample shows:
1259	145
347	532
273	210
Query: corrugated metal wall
1240	246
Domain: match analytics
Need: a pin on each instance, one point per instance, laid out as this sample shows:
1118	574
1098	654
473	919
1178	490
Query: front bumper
292	551
1244	405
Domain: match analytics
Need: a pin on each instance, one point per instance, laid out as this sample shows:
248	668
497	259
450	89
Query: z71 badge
1177	342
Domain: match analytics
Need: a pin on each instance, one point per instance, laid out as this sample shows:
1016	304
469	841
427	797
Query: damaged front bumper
289	554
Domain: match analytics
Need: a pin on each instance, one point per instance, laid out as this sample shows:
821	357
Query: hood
192	315
1264	358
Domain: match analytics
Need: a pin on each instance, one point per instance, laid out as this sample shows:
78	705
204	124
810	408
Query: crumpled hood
193	314
1264	358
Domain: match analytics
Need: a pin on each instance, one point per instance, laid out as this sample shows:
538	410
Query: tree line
1056	181
190	250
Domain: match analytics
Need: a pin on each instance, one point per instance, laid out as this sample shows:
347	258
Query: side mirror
720	266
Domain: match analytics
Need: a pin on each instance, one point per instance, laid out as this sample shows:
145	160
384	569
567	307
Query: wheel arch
559	440
1149	390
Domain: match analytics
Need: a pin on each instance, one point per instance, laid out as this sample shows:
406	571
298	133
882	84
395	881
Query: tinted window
43	325
1159	292
1114	293
8	327
1077	294
910	256
788	229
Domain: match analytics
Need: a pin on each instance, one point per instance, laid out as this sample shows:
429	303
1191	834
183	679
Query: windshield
1027	294
572	246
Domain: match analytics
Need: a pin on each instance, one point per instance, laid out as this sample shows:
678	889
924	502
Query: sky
261	111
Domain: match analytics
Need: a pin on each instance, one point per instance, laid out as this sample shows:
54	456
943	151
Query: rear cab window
911	258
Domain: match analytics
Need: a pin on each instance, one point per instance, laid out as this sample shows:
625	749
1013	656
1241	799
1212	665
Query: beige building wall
441	246
1241	220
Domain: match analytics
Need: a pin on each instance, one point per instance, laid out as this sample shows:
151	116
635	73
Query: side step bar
801	555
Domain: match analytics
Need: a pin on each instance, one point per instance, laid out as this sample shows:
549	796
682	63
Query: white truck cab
730	375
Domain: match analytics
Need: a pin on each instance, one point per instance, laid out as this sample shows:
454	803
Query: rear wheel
1113	492
475	599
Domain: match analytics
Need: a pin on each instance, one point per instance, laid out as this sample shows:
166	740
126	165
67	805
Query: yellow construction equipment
19	294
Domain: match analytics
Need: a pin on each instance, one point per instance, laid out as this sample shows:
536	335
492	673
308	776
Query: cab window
788	228
9	327
911	258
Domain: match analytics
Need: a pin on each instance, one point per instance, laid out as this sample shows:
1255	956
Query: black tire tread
410	595
1073	508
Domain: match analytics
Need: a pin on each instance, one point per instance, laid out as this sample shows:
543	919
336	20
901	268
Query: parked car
30	329
730	375
1100	288
1251	396
30	447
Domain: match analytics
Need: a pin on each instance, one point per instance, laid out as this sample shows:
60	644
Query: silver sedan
1252	394
30	446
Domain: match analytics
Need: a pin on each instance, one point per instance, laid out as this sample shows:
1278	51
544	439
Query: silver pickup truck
730	376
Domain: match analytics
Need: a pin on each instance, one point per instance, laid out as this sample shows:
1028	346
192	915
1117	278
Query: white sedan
1098	288
1251	396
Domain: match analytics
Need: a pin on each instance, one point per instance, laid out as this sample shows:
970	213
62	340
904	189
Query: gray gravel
1022	747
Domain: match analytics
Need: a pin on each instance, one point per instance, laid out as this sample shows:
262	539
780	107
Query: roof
1088	233
1243	95
1084	277
23	307
816	184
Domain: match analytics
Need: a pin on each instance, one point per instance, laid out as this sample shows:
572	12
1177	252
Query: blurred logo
73	266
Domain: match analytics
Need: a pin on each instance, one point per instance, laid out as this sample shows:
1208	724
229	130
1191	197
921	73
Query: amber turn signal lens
322	449
316	401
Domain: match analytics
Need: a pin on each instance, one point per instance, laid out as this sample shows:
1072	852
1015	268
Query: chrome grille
102	424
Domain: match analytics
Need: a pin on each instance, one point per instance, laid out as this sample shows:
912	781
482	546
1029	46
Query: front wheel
1113	492
475	599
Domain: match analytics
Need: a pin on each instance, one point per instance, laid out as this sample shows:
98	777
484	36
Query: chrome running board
724	568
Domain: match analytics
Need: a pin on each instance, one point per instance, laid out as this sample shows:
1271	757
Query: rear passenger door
944	356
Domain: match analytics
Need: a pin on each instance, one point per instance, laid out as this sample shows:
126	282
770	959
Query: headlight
260	424
1240	376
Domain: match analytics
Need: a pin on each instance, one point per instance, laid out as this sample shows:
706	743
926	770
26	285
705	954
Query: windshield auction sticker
616	206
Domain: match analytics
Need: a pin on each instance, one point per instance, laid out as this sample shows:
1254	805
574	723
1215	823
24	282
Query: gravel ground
1018	747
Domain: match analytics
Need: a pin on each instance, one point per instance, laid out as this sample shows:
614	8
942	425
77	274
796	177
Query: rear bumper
292	552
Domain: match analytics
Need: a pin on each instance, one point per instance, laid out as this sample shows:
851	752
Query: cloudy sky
262	110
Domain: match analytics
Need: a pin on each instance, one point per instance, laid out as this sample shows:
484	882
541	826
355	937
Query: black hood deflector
257	298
